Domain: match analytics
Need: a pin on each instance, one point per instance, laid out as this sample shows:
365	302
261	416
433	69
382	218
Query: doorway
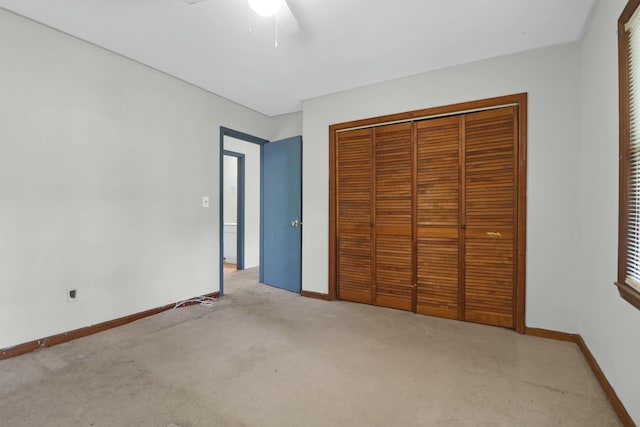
240	202
233	186
266	191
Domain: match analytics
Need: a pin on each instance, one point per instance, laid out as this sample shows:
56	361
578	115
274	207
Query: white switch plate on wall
205	201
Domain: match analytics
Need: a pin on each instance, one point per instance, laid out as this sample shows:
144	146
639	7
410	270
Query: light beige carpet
267	357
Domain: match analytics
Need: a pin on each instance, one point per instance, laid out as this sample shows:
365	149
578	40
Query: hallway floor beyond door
267	357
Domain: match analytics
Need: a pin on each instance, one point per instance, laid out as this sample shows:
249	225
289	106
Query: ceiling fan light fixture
265	7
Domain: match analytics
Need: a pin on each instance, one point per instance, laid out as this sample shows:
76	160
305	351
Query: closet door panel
393	271
354	270
438	261
490	208
489	281
438	217
354	215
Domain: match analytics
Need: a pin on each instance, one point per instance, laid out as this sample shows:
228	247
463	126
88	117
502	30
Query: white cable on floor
203	300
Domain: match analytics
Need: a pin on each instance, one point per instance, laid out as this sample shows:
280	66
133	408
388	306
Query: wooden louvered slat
438	212
490	208
354	207
393	271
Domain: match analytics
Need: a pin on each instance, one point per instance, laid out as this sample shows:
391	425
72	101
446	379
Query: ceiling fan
285	20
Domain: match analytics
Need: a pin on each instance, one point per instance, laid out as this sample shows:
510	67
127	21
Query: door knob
296	223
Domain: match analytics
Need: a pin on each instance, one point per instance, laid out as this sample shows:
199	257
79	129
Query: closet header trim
432	116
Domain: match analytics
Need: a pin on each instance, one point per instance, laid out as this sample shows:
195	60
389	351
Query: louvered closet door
393	171
438	217
490	216
354	215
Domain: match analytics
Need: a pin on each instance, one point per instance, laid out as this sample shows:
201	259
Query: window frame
628	293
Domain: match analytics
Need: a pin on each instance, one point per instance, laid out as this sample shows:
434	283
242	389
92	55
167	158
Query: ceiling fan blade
286	21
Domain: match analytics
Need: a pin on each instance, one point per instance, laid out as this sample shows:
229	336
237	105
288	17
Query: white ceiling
341	44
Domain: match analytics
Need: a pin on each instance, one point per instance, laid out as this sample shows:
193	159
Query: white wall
609	325
103	164
286	126
549	76
230	190
230	208
251	197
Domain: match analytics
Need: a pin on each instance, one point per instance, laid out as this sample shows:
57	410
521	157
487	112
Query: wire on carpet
204	301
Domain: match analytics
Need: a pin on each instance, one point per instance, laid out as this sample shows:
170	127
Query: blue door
282	214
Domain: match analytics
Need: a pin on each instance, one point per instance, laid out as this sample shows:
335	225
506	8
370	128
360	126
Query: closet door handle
463	227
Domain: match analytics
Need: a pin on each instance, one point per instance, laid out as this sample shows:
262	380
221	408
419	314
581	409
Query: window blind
632	265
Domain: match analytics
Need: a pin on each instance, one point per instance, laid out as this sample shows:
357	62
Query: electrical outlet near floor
72	295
